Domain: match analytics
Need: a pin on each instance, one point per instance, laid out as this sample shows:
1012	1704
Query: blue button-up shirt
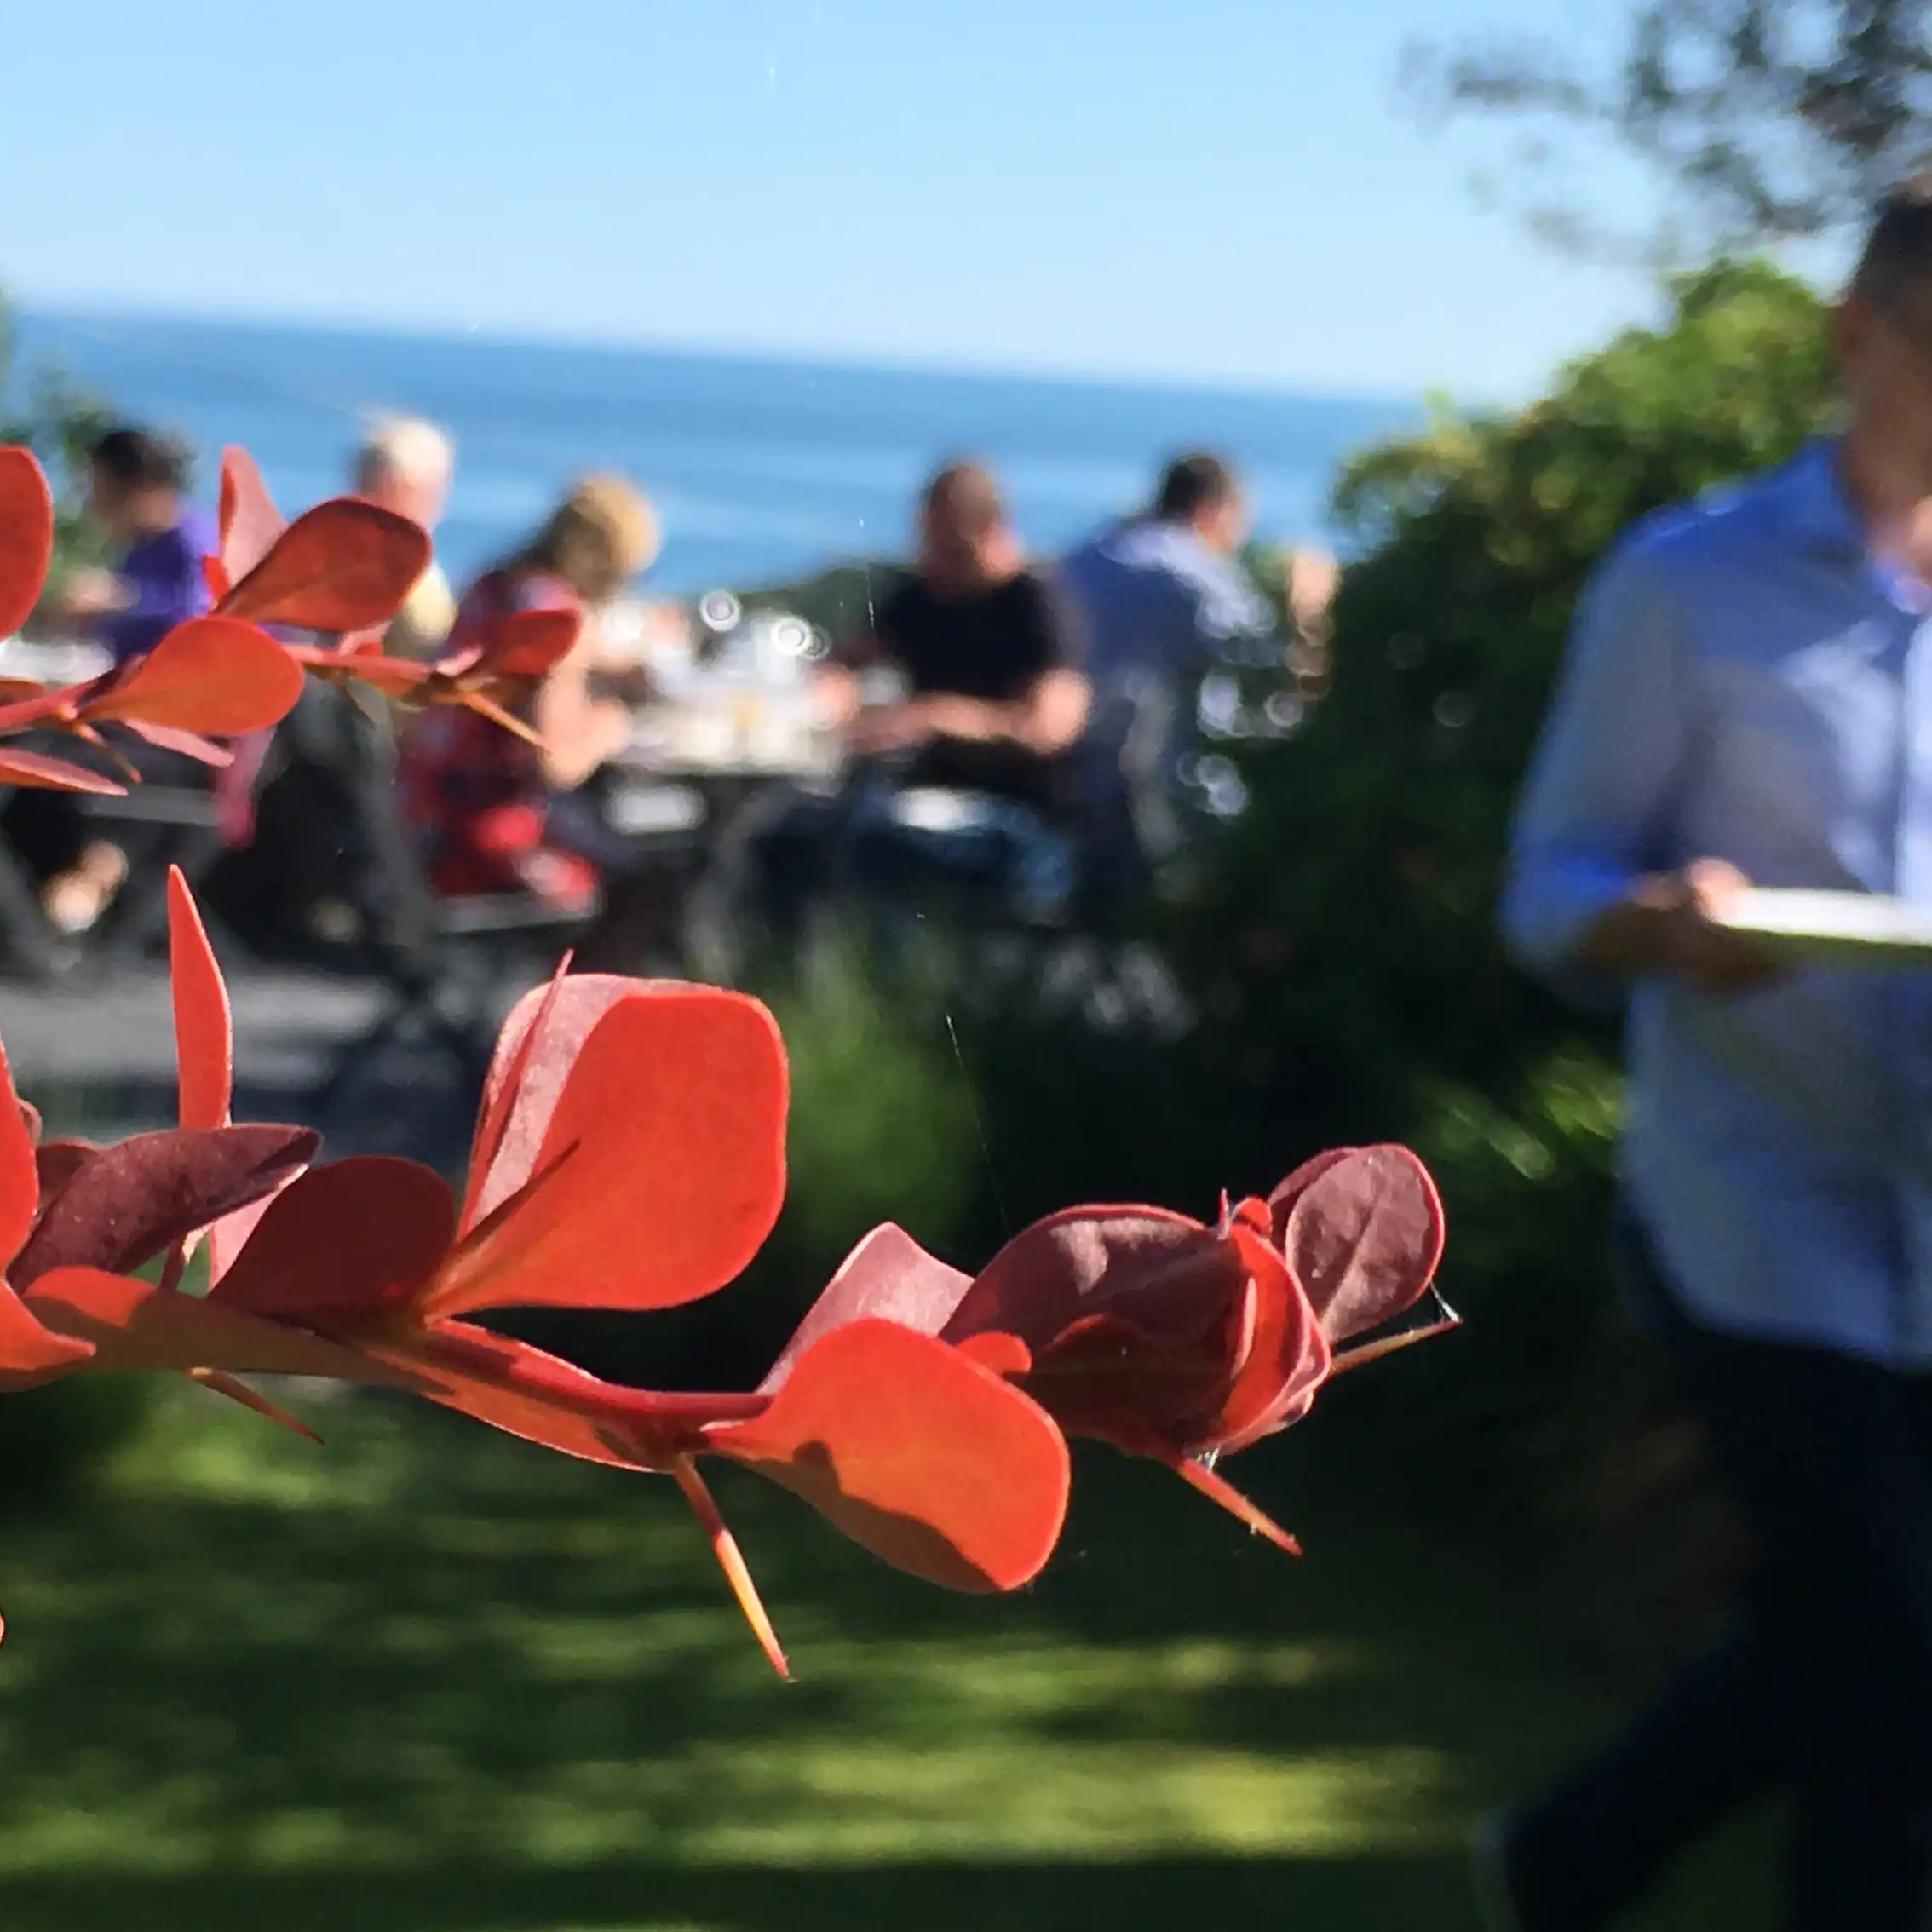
1155	605
1745	682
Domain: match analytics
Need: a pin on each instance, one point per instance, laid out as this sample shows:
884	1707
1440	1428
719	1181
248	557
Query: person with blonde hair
478	797
406	464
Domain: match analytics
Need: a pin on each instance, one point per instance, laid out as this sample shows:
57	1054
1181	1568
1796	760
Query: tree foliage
1346	937
1767	119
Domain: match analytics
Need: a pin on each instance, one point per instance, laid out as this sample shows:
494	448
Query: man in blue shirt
1748	700
1160	596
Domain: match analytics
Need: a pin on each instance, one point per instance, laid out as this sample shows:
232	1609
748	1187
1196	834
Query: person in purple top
136	482
135	485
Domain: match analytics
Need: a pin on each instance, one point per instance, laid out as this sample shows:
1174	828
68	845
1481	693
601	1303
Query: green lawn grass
429	1680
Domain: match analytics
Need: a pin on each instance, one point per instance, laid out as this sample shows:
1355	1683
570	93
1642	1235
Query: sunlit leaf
928	1459
345	564
211	674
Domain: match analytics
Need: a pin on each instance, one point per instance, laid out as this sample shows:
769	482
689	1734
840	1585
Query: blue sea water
760	469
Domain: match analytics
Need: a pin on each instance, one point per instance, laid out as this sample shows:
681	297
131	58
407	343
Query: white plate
1852	926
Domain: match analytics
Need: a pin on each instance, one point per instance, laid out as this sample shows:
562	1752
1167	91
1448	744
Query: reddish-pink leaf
888	1276
211	674
135	1324
1365	1237
136	1198
1281	1202
923	1457
250	523
1287	1361
529	643
204	1032
27	535
37	770
534	1051
662	1165
1168	1275
339	566
186	743
351	1237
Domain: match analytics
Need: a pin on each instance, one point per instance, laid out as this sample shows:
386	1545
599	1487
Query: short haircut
407	446
1896	261
139	459
963	499
1192	484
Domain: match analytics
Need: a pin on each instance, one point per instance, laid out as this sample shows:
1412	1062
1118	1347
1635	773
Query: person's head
598	538
135	482
405	464
965	541
1202	493
1883	330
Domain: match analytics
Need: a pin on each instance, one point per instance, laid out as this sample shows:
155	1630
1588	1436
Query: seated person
993	701
1160	595
478	798
405	465
136	497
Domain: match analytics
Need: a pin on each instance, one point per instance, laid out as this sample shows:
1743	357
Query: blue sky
1227	190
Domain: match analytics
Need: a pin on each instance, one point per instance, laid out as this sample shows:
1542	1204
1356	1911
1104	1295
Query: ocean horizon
763	468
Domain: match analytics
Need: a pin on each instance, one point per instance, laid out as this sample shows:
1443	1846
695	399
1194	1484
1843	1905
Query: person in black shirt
995	700
962	770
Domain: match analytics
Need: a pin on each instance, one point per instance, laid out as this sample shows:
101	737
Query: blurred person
1748	699
484	802
993	698
137	486
406	464
1160	594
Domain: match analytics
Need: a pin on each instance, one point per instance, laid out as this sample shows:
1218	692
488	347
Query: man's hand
1670	923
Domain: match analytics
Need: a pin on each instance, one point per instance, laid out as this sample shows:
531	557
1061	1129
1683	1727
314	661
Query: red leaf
528	643
1168	1275
1287	1362
135	1324
188	743
27	535
248	522
541	1037
204	1032
889	1276
1283	1199
923	1457
339	567
54	774
132	1199
1365	1237
342	1240
662	1164
211	674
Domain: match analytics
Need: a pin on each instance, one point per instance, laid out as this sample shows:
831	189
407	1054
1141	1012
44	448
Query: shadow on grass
431	1681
